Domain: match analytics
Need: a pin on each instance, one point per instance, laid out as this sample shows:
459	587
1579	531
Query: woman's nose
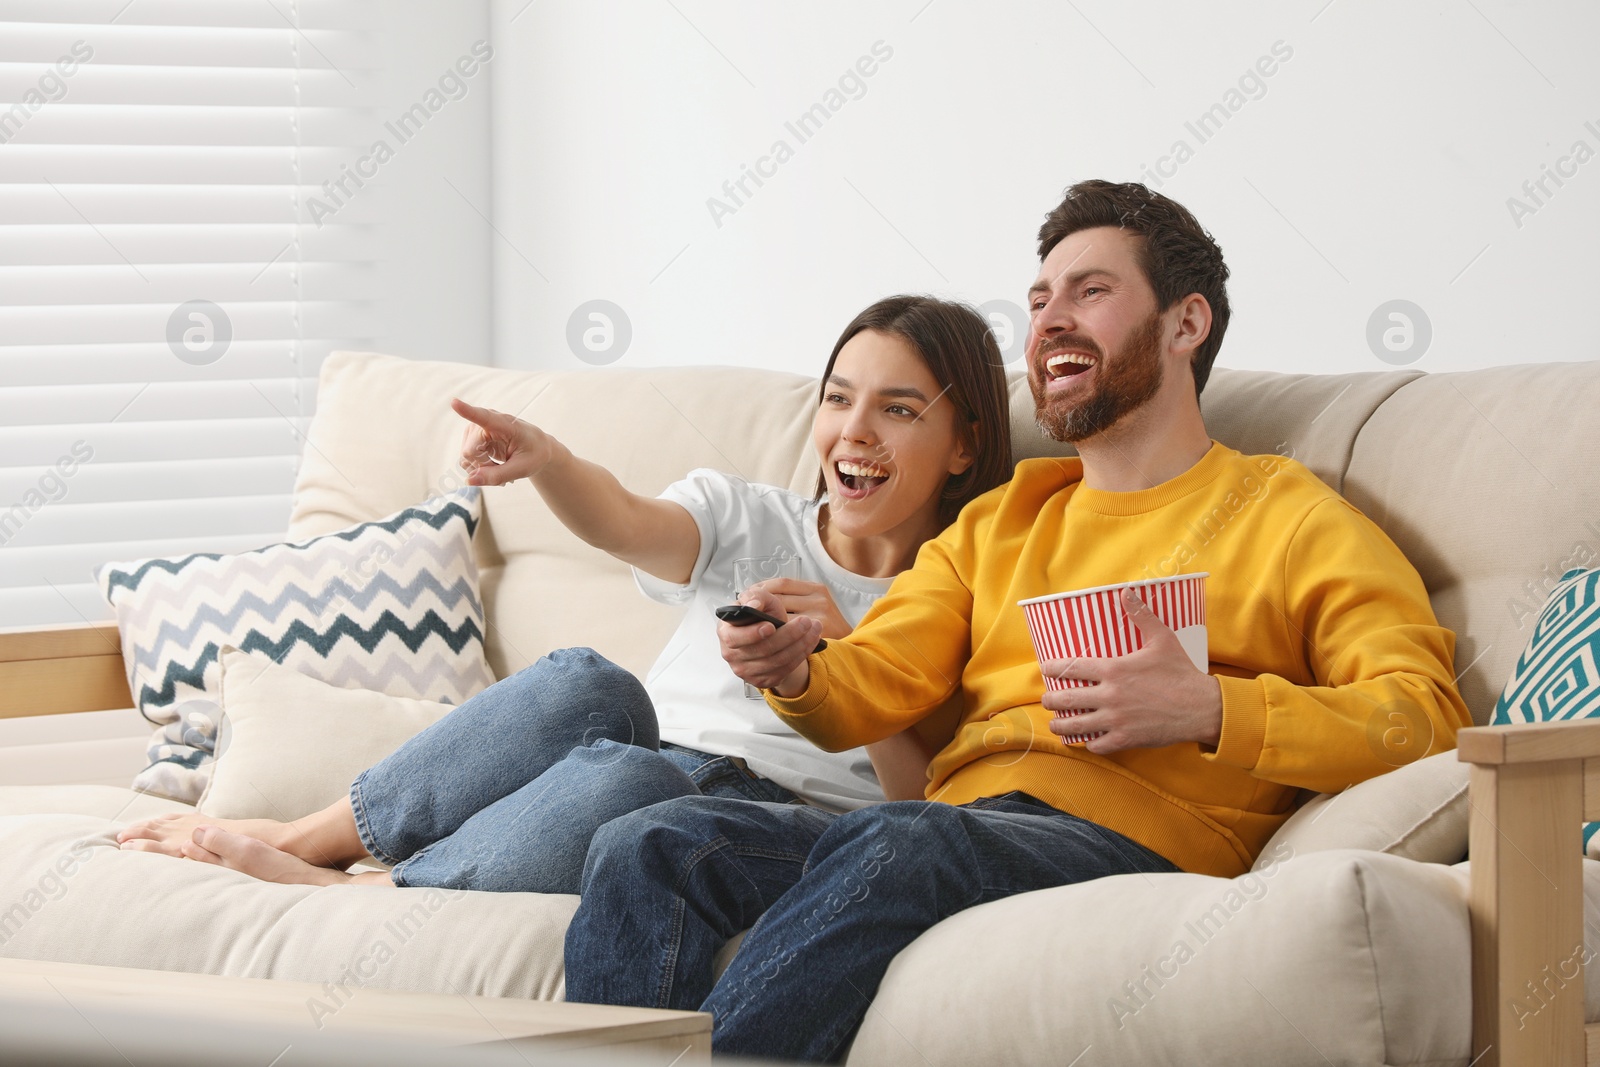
858	427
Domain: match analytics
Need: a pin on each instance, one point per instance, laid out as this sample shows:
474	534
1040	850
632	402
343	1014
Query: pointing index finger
472	413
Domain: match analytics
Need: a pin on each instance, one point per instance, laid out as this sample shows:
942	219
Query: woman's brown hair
960	352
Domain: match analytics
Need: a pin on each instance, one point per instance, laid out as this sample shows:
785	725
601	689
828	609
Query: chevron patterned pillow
390	606
1558	674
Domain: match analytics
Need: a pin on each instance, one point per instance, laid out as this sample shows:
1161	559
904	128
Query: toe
192	851
148	829
225	846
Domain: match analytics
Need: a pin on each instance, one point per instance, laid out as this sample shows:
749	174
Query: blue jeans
831	899
505	792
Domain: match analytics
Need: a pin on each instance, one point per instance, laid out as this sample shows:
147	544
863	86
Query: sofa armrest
1531	787
58	670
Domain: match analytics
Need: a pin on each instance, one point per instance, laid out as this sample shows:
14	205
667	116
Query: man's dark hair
959	350
1178	256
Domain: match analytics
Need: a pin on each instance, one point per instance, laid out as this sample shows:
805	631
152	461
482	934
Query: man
1321	637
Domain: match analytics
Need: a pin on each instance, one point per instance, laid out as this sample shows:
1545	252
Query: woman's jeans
832	899
505	792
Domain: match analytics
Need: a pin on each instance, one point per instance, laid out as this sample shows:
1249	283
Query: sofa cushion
543	588
1558	674
1332	957
1367	955
73	896
1313	418
1477	478
1418	811
391	604
110	803
290	745
1288	965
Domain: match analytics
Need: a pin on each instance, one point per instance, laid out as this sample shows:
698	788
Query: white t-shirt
700	703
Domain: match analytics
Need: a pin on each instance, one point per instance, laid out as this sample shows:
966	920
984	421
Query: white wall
1376	165
433	258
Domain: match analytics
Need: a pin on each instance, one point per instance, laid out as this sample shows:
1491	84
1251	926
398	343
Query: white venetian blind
155	153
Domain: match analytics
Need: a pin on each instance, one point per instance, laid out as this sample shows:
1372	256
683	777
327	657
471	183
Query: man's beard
1123	385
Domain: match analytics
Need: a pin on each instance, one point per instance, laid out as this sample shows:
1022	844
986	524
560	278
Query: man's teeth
862	470
1054	363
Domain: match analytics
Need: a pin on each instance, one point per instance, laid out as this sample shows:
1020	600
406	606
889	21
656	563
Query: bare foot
210	843
327	838
167	834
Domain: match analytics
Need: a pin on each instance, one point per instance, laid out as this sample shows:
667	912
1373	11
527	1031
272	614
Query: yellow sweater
1332	665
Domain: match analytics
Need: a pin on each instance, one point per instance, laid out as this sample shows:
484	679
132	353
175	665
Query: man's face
1094	344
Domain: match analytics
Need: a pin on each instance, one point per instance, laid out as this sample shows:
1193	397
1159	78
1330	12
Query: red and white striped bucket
1092	623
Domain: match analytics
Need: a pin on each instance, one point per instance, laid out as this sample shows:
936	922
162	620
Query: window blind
166	299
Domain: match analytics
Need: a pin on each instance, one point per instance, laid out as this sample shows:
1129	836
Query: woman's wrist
555	453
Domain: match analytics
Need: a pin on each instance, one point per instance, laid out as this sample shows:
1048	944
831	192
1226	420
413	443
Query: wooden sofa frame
1530	788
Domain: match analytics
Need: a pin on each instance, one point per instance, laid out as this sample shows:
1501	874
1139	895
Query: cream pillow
391	605
1418	812
290	744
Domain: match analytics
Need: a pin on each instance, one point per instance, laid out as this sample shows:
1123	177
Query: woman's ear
962	461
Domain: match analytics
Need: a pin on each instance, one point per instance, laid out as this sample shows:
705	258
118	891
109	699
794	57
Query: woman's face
886	436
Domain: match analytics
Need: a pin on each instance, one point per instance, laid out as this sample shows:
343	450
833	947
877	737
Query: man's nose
1054	318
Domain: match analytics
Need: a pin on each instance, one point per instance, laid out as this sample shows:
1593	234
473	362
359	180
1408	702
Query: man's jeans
836	896
505	792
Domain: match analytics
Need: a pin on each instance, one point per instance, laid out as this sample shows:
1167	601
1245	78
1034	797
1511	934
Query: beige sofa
1346	946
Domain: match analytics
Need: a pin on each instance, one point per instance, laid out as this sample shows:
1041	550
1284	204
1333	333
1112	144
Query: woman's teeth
1068	363
856	476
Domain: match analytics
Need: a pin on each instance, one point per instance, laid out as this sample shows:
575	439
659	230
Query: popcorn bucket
1092	623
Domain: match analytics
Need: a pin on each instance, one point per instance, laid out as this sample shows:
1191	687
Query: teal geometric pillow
1558	674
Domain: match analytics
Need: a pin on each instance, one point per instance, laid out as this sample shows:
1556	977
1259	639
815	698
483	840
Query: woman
505	792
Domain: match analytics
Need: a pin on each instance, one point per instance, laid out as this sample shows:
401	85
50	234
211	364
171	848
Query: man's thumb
1143	616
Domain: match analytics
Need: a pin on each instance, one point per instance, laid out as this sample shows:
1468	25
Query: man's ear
1191	323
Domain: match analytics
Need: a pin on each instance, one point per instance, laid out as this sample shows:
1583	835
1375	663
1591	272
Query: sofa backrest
1488	480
